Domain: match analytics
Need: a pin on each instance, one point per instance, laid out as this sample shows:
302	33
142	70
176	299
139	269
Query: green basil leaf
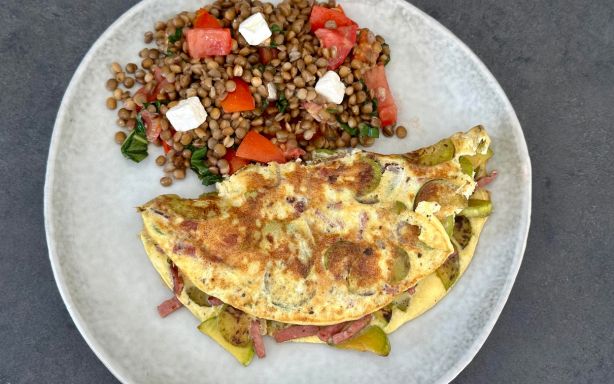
374	102
365	129
348	129
135	145
197	163
175	36
264	106
282	102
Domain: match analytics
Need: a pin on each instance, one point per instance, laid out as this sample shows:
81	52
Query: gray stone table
554	59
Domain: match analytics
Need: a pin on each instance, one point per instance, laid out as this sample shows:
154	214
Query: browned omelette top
310	244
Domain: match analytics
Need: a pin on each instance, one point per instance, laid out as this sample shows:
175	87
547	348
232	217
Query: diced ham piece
169	306
215	301
295	332
351	330
254	333
484	181
177	280
294	153
325	333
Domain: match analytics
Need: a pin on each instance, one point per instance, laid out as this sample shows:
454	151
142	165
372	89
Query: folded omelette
340	250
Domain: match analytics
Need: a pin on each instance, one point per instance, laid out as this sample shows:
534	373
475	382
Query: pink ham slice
325	333
169	306
215	301
295	332
351	330
177	280
254	332
484	181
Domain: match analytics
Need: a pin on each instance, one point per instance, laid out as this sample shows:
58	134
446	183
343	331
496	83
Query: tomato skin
388	115
240	99
152	125
375	79
258	148
205	20
342	39
165	146
204	42
320	15
234	161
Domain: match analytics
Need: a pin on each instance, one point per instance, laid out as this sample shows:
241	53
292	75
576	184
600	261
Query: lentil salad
263	102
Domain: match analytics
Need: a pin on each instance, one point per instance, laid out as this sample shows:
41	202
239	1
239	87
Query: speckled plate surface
112	291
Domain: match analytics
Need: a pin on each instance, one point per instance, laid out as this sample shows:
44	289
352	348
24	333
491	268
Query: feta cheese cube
272	91
187	115
254	29
331	87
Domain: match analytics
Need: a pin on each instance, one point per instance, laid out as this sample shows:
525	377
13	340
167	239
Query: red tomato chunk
203	42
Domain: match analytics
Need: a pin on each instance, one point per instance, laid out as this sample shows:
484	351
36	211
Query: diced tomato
203	42
387	114
341	39
240	99
235	162
320	15
160	83
152	124
375	79
258	148
349	32
267	54
166	147
205	20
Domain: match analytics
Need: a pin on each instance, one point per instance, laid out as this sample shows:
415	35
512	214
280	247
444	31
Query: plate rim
467	356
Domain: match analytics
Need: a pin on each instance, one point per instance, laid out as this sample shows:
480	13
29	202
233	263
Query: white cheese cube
187	115
331	87
272	91
254	29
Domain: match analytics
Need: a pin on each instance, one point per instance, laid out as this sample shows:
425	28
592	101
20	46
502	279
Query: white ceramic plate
112	291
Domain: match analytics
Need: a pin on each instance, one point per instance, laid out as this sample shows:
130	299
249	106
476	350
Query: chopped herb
348	129
282	102
175	36
273	44
367	130
275	28
264	106
374	101
135	145
156	103
169	53
332	111
260	67
197	164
